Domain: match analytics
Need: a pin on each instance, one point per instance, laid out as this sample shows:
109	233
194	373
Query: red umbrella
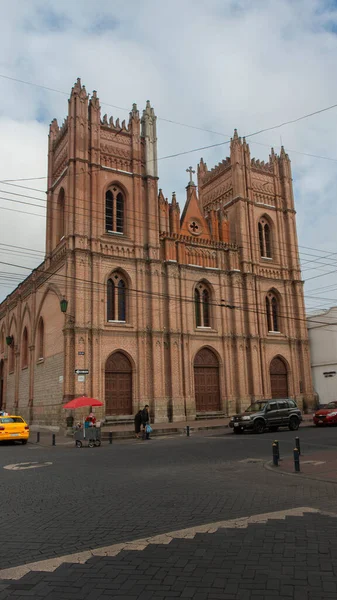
82	401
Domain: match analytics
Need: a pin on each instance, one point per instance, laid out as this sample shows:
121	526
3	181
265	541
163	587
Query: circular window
194	227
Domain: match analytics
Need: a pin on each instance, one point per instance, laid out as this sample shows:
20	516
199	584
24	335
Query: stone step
210	415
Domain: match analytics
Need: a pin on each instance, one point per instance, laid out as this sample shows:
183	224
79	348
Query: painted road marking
52	564
27	465
313	462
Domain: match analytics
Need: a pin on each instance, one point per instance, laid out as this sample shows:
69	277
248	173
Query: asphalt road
88	498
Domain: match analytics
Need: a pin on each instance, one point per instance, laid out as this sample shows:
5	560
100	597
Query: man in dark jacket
145	421
138	423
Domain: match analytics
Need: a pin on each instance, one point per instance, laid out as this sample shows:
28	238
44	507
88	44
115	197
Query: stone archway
278	378
118	385
206	381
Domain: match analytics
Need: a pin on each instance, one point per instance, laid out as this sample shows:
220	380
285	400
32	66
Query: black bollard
188	430
278	449
53	442
110	437
37	437
297	460
275	454
298	445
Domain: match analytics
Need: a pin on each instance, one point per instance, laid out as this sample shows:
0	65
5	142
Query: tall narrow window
24	349
2	341
60	215
265	238
119	212
202	306
116	298
272	311
40	339
114	210
111	301
197	307
109	211
274	314
121	301
11	357
205	307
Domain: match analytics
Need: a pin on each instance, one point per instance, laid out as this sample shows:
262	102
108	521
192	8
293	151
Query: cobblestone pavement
295	558
96	497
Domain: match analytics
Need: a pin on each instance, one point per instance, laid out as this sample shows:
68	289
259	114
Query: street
65	501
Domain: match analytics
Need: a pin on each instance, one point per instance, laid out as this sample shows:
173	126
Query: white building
322	328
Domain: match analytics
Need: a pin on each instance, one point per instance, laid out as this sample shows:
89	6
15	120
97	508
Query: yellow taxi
13	427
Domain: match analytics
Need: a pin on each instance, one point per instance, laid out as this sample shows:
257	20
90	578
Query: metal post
298	445
37	437
53	442
278	449
297	460
110	437
188	430
275	454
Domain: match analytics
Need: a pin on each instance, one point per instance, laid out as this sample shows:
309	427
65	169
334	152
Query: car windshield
331	405
255	407
11	420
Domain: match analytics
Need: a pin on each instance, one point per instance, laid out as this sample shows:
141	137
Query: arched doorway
206	381
118	385
1	383
278	378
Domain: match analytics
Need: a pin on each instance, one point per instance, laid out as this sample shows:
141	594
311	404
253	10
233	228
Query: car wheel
23	442
294	423
273	429
259	426
78	444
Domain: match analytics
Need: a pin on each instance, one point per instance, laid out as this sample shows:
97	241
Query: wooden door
206	381
278	378
118	385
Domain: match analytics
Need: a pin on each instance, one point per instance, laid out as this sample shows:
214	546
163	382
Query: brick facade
154	286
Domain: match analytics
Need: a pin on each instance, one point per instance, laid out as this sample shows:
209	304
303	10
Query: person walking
146	422
138	423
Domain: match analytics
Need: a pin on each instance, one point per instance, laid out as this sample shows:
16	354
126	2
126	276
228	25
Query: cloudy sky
216	65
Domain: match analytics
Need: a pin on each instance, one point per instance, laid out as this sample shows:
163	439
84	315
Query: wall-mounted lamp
9	340
64	305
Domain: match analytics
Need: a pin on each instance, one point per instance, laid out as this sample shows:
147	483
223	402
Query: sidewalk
120	432
321	465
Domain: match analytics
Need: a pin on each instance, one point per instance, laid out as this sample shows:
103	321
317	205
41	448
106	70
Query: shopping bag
148	429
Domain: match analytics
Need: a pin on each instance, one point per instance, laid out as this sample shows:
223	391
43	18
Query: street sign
81	371
81	378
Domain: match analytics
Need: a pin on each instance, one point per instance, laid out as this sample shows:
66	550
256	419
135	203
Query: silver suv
268	414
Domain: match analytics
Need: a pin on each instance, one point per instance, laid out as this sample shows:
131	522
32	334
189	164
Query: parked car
326	415
267	414
13	427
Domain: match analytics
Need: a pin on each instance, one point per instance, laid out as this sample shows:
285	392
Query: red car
326	415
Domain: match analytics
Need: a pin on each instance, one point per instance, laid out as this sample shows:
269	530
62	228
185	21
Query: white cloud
217	65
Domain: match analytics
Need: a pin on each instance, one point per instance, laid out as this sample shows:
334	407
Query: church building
195	313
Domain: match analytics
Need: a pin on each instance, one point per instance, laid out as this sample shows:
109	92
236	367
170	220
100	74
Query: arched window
202	306
60	216
40	339
24	349
116	298
272	311
264	238
114	210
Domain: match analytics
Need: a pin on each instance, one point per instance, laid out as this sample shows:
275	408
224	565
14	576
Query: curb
270	467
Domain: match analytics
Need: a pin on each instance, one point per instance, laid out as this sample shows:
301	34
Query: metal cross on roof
191	172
